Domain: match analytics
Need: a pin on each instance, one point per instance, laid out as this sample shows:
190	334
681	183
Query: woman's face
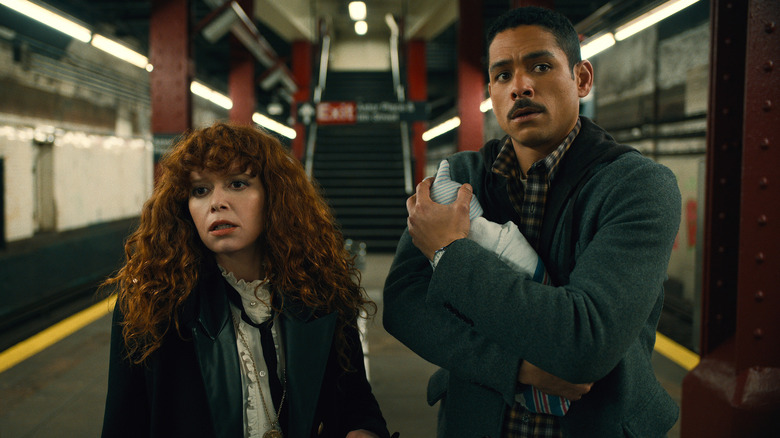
227	210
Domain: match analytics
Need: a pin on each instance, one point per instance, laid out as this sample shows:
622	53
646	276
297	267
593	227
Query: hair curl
303	251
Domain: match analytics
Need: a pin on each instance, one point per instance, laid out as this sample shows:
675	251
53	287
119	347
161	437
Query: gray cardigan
477	319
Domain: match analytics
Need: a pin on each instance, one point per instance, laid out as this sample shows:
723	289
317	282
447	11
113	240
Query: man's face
535	97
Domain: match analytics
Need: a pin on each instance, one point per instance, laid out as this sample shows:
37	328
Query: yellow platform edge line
675	352
35	344
55	333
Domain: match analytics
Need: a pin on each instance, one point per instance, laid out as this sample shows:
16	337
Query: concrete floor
60	392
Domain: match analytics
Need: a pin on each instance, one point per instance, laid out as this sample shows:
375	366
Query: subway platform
60	391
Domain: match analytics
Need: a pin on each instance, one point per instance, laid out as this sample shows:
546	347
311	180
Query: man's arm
436	332
580	331
429	233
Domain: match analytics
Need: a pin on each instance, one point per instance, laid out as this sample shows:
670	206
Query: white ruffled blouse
256	298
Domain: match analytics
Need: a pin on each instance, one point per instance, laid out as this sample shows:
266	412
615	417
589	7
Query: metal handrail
311	138
399	90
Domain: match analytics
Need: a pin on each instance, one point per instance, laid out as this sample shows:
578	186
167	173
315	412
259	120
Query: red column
169	53
471	80
241	81
735	389
302	71
417	80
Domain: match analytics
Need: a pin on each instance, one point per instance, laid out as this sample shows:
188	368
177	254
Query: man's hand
546	382
433	225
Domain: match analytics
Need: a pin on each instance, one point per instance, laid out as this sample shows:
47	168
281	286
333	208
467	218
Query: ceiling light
597	44
273	125
275	108
207	93
440	129
120	51
361	27
486	105
357	11
50	19
650	18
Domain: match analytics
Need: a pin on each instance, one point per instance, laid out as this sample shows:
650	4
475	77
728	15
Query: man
604	228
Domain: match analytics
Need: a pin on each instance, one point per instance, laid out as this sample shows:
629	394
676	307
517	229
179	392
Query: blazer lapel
307	347
215	345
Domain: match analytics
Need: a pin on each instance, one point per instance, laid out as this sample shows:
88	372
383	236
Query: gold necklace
276	431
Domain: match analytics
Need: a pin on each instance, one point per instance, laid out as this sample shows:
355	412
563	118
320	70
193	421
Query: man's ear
583	75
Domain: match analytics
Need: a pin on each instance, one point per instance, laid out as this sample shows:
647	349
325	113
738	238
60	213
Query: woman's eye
237	184
199	191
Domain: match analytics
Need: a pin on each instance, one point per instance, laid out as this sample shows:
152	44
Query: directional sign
348	112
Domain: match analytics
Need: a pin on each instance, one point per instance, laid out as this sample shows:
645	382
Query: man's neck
527	156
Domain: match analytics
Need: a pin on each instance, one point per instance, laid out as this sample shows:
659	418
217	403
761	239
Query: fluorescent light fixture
597	44
207	93
650	18
357	11
441	128
50	19
361	27
120	51
273	125
486	105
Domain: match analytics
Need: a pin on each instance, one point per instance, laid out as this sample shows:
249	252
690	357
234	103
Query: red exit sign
332	113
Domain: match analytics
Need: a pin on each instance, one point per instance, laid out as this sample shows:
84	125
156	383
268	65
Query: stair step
371	212
364	146
357	158
366	182
341	165
367	202
356	173
361	192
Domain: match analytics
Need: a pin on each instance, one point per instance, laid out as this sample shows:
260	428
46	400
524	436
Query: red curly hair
304	255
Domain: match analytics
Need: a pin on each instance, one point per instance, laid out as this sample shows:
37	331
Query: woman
237	306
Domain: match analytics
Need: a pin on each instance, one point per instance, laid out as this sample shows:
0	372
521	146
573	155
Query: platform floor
60	391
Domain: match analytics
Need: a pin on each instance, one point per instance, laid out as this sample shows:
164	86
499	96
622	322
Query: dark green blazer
477	319
191	387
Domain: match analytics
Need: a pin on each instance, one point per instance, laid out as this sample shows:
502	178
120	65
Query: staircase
360	167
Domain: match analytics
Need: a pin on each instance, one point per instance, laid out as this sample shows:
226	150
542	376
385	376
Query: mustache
523	104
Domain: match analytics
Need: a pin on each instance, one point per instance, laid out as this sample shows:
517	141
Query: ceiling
282	22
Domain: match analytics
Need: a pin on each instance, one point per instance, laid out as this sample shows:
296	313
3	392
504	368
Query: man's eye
541	68
502	76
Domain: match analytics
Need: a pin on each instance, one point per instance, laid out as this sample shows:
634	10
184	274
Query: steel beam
241	79
471	76
417	81
735	389
170	54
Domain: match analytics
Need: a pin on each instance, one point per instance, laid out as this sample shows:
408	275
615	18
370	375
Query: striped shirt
528	197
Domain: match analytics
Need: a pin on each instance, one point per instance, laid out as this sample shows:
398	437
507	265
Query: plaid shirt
528	198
